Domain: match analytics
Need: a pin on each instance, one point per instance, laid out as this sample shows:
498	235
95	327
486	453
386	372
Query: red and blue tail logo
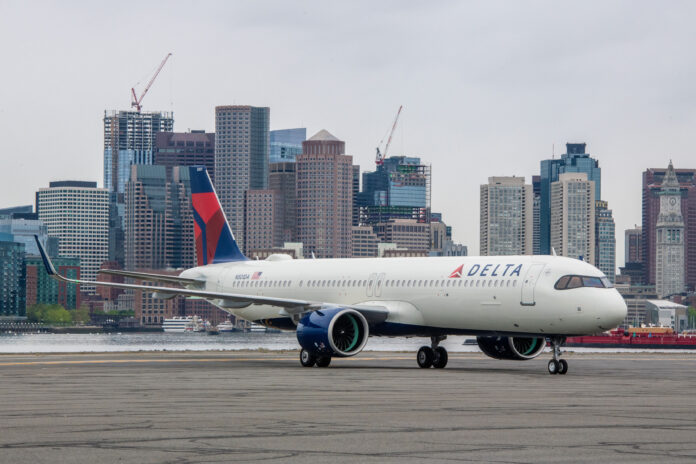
214	240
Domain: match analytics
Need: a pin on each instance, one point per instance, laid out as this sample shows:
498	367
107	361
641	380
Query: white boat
225	326
183	324
257	327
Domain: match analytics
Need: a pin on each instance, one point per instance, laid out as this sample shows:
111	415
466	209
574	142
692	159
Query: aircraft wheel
307	358
425	357
323	361
554	367
440	358
563	367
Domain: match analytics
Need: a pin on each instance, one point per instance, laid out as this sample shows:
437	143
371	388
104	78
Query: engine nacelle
338	332
512	348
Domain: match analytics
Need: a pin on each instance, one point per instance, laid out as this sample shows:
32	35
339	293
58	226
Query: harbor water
236	341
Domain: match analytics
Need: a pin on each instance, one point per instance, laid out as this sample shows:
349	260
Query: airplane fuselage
426	296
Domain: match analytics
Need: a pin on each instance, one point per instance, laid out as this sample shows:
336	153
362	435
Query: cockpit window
562	282
592	282
569	281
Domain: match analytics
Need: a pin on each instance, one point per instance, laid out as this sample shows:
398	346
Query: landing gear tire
562	367
557	365
307	358
425	357
441	357
323	361
554	367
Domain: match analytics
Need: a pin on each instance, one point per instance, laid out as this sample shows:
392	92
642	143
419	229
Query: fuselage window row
564	283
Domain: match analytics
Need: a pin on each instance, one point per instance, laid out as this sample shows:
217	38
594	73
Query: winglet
50	270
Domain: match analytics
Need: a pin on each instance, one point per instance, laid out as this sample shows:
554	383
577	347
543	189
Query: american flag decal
256	275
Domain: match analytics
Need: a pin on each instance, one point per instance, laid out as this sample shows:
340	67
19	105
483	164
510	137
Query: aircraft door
378	284
371	281
528	284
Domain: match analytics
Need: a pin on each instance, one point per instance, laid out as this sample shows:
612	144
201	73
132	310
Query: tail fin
214	240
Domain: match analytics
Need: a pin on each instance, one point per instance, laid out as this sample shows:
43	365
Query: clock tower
669	262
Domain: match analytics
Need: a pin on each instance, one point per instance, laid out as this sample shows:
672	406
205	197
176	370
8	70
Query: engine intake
512	348
338	332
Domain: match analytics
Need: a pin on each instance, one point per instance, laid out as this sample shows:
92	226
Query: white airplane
513	304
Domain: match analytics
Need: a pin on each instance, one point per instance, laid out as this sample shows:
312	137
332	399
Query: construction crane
138	102
379	158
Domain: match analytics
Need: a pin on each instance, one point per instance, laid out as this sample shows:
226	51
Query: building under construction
398	189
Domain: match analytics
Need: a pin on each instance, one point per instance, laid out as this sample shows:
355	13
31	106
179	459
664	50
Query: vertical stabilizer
214	240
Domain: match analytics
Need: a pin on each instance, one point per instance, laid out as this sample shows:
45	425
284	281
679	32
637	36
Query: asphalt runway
264	407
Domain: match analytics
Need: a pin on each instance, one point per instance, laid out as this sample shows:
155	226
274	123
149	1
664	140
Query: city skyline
497	97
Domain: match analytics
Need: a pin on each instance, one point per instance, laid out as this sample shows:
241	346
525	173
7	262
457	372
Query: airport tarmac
378	407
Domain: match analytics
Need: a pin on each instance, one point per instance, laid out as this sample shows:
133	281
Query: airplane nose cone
617	310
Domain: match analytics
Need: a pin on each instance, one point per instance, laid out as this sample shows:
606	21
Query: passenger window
460	283
514	283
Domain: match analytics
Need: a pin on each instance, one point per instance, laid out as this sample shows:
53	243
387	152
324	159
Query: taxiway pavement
377	407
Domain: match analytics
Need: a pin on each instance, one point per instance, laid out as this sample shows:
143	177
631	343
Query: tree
48	314
80	315
691	314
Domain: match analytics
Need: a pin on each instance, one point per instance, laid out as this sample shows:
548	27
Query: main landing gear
434	355
557	366
309	359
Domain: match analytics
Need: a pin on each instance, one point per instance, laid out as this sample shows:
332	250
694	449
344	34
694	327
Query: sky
489	88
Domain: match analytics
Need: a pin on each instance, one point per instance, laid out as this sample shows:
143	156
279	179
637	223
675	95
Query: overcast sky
488	88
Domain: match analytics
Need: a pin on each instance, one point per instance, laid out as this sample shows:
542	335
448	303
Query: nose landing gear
434	355
556	365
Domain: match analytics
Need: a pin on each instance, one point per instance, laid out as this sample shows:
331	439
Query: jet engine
338	332
512	348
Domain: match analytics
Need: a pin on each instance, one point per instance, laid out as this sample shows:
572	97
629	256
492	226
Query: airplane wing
289	306
154	277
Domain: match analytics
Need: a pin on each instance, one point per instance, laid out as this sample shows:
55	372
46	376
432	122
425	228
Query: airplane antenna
553	251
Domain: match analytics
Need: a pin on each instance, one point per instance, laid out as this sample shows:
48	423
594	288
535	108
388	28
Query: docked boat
257	328
225	326
183	324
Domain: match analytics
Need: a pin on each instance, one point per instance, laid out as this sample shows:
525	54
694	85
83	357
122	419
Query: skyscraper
669	246
12	277
195	148
652	188
129	138
605	240
536	207
507	209
264	222
325	197
286	144
241	158
282	179
574	160
633	241
573	216
159	222
78	214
